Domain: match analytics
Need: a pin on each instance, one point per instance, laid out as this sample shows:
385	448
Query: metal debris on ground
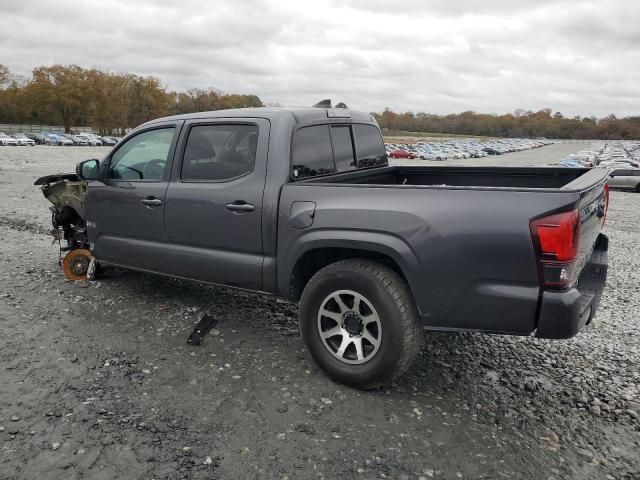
206	323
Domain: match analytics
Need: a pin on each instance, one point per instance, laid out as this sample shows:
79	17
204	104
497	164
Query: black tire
401	333
638	188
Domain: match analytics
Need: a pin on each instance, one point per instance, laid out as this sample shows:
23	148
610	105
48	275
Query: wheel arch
312	252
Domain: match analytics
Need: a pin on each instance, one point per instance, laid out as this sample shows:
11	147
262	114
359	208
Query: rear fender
376	242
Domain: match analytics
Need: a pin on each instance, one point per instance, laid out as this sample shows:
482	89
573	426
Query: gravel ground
99	383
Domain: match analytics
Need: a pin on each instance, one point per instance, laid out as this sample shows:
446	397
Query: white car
92	140
7	140
23	140
628	178
427	154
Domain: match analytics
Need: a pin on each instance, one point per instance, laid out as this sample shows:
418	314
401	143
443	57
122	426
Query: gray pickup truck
302	204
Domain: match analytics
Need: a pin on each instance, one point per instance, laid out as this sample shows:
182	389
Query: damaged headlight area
67	193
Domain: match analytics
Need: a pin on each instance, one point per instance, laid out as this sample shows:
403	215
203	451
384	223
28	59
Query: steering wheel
154	169
117	172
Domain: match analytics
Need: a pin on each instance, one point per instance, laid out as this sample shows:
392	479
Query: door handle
151	201
240	206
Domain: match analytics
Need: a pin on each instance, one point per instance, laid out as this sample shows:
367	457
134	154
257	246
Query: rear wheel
359	322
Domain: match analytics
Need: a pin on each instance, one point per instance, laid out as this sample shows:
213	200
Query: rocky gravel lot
97	381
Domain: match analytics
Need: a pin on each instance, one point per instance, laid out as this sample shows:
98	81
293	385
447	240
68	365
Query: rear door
125	210
213	212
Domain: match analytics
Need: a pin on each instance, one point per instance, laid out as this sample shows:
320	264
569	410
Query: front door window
143	157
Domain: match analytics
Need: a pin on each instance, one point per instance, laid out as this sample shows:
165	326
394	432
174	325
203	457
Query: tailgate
592	208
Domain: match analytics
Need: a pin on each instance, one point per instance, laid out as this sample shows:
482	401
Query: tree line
109	102
521	123
70	95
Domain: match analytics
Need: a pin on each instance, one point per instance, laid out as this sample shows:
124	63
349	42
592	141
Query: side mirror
88	169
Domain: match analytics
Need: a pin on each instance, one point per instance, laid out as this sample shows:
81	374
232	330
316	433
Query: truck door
125	210
213	212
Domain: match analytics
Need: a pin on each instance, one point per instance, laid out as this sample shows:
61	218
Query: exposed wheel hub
353	323
76	264
80	265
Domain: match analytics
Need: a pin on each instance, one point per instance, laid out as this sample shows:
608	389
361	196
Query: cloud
579	57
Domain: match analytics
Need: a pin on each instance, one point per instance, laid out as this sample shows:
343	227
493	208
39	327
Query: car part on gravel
360	323
206	323
76	264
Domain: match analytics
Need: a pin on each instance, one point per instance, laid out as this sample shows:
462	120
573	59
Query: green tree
60	91
147	100
4	74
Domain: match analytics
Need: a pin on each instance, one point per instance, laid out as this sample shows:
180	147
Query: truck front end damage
67	193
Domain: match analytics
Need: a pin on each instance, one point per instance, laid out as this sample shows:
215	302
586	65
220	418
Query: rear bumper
563	313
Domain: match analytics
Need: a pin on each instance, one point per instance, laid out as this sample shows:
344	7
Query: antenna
323	104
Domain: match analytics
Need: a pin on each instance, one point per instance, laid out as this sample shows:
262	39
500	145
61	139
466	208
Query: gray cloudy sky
577	57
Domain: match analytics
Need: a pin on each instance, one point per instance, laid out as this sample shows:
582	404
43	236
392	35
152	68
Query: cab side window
312	154
219	152
143	157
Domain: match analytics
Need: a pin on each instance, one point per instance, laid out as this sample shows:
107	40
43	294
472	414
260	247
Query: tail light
556	240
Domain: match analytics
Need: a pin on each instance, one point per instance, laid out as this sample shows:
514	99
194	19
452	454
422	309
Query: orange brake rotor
76	264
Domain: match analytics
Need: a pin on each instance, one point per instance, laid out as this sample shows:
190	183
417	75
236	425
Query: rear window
343	148
369	146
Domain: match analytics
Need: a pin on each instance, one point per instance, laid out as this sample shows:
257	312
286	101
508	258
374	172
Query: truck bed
493	177
463	232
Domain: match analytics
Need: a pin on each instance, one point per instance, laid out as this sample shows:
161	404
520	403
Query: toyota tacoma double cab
301	203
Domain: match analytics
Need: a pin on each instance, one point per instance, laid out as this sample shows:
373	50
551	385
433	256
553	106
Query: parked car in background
619	163
91	139
108	142
64	141
402	154
626	179
57	139
79	141
50	139
492	151
23	140
113	139
425	153
36	137
6	140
